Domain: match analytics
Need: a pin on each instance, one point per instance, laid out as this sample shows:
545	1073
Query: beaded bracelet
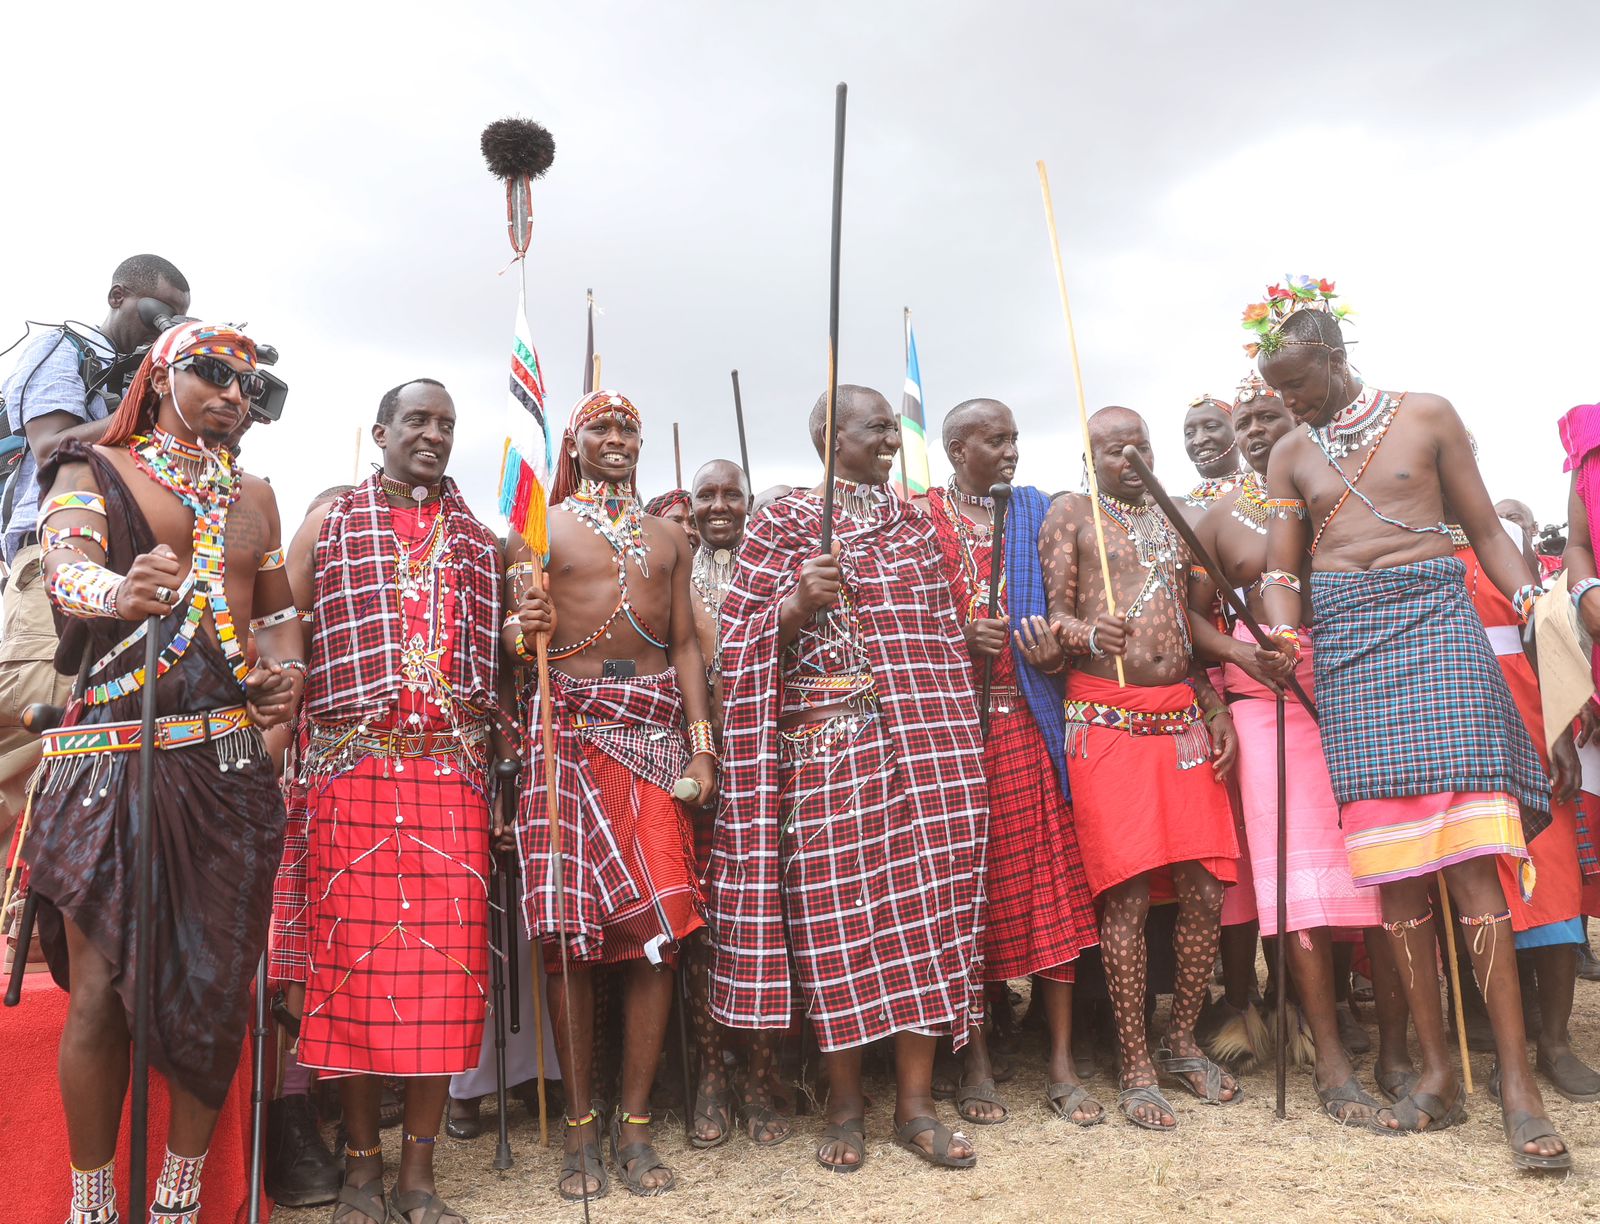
1282	578
1199	571
701	742
1289	634
272	559
298	665
521	647
1285	507
1523	602
1582	589
61	537
280	617
85	589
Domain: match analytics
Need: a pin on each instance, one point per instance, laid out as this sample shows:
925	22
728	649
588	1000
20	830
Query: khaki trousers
27	675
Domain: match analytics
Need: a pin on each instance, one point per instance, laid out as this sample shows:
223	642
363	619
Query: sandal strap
1523	1127
983	1090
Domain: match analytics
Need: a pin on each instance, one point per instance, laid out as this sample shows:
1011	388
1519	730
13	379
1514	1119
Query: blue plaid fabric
1412	699
1025	597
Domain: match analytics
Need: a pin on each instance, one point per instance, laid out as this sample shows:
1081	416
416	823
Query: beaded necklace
958	494
421	494
612	513
1156	547
1212	487
711	575
976	539
1250	507
1356	424
204	483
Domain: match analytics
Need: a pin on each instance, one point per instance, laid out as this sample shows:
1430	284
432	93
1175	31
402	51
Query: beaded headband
1221	406
1266	319
1252	387
599	404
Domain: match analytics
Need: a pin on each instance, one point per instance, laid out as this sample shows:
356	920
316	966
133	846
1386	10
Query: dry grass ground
1223	1164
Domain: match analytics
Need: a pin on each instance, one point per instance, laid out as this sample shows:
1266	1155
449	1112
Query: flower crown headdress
1266	319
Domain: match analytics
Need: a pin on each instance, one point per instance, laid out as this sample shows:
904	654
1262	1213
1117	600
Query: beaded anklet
355	1153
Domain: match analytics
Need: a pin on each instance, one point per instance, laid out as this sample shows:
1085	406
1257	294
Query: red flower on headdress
1325	287
1278	293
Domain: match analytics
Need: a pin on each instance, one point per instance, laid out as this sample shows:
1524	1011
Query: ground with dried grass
1223	1164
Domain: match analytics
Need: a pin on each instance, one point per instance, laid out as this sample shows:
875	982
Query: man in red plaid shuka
404	669
1040	914
851	838
626	672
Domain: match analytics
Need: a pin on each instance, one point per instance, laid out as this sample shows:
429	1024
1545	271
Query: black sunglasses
219	373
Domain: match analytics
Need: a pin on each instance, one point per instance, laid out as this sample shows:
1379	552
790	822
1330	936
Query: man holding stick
1039	913
156	521
404	593
851	839
1323	901
1152	818
615	606
1431	764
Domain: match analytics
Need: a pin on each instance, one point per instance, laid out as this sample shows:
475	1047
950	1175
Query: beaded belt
829	690
1188	732
173	731
354	740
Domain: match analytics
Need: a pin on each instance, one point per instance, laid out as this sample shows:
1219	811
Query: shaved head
1114	418
967	416
852	400
719	469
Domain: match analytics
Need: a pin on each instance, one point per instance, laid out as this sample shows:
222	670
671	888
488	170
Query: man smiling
1209	441
851	836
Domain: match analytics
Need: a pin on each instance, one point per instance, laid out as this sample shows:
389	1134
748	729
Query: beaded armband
1282	578
85	589
523	653
62	537
78	499
1285	507
1582	589
272	560
701	742
1289	634
281	617
1199	571
1523	602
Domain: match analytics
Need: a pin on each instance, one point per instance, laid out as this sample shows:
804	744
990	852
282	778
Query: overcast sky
317	174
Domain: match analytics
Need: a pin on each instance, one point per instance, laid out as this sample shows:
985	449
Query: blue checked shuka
1412	699
1025	598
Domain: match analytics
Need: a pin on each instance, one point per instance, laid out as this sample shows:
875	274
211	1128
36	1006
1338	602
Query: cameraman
52	393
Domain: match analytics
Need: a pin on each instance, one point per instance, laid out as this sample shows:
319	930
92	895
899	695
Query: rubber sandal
1396	1084
1522	1127
1351	1093
1408	1111
718	1110
1146	1094
1180	1069
852	1132
636	1159
1574	1069
433	1207
586	1160
756	1118
366	1201
983	1090
905	1136
1064	1099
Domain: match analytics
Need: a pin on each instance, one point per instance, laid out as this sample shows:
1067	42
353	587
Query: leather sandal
634	1160
365	1201
1129	1099
905	1136
983	1090
433	1207
1181	1068
1066	1099
1408	1111
852	1132
1522	1127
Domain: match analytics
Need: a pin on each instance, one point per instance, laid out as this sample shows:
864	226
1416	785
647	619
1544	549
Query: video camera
111	382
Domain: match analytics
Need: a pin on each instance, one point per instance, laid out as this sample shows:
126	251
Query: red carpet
34	1132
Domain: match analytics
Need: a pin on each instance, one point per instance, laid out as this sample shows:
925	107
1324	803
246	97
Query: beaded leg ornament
94	1195
178	1188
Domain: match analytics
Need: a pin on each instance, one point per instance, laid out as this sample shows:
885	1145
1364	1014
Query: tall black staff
505	773
1181	525
143	833
1000	494
738	416
258	1089
833	319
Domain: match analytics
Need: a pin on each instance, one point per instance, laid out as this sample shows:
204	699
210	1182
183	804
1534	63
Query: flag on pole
913	433
526	467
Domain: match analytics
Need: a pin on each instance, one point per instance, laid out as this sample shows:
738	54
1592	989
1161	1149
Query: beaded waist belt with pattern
1188	732
804	692
326	740
173	731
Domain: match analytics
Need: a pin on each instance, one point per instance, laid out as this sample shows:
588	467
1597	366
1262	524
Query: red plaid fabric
882	908
355	657
639	724
399	921
1040	912
289	944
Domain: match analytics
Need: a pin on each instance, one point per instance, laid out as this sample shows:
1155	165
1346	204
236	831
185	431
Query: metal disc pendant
419	493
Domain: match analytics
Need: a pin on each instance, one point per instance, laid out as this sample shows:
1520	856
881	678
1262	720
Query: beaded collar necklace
1156	546
421	494
1356	424
169	462
958	494
976	539
712	575
612	513
1212	487
1250	507
859	501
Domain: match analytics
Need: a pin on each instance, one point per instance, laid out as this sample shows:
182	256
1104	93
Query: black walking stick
1000	494
502	964
744	451
143	833
833	320
258	1090
1181	525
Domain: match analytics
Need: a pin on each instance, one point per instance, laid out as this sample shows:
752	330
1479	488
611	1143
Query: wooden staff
1083	407
500	963
833	319
1455	980
144	835
744	451
677	458
1001	496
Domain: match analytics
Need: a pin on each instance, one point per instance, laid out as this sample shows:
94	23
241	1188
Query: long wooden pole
1083	406
677	458
744	450
905	364
1448	918
833	318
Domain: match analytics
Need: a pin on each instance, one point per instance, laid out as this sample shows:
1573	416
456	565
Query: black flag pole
744	450
833	319
143	909
1000	494
1283	913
